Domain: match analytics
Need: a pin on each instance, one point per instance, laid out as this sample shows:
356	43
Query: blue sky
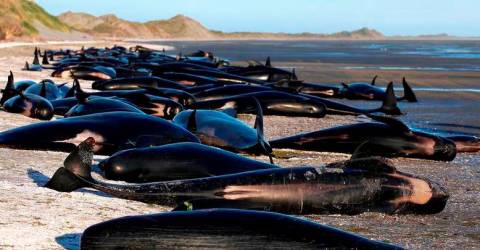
400	17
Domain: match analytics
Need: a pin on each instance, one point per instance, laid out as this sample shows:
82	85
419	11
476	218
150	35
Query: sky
400	17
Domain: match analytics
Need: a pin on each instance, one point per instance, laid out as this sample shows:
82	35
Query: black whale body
387	137
221	228
114	131
176	161
349	187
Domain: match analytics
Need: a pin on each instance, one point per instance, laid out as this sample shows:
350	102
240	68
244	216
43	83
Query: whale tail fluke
65	181
76	170
408	92
389	105
267	149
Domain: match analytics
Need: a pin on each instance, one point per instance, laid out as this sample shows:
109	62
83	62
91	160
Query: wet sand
37	218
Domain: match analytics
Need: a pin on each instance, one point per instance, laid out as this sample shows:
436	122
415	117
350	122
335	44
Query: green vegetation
35	12
21	17
28	28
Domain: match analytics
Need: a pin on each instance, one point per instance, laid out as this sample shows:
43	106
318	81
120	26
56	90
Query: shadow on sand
40	179
69	241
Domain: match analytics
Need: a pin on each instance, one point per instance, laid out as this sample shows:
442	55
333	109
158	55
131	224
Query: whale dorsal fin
45	58
79	93
26	67
268	63
392	122
43	90
192	122
389	105
408	93
10	81
71	91
294	75
374	80
259	127
9	91
35	58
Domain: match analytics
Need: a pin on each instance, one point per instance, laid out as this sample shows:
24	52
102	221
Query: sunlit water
462	56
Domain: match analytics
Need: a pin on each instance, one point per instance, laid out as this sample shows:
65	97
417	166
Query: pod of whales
168	124
221	228
346	187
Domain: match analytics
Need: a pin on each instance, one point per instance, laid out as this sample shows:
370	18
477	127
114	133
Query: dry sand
33	217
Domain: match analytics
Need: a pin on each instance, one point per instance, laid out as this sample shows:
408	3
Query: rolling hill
24	18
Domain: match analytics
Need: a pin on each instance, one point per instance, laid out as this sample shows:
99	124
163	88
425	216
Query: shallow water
441	111
462	56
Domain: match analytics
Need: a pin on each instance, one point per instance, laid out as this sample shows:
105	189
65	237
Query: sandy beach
34	217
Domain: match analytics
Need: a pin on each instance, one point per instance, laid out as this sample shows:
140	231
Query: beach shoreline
34	217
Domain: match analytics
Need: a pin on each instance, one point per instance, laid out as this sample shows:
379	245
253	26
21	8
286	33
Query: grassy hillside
20	18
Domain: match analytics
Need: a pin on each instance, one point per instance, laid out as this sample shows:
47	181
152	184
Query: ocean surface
445	111
461	56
